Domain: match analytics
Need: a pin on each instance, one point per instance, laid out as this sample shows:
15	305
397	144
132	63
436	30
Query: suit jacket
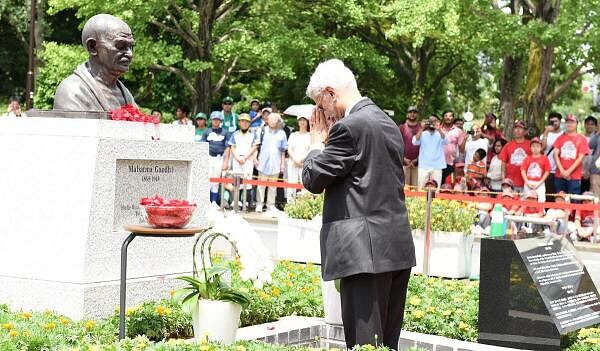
365	222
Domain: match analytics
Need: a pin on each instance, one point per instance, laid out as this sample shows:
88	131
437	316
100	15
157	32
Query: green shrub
306	206
446	216
160	320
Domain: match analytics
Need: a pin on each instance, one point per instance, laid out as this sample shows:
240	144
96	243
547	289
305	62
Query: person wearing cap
431	140
569	152
217	137
584	221
535	169
559	215
513	154
200	123
298	147
243	143
182	113
408	129
551	133
230	118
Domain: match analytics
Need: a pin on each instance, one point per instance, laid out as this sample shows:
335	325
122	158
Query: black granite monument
532	291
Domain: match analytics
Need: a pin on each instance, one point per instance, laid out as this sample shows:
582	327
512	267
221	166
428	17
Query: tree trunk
203	80
541	60
510	89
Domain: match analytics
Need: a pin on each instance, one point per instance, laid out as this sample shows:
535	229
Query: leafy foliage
306	206
60	60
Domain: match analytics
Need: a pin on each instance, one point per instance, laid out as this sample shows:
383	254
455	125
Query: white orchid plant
211	281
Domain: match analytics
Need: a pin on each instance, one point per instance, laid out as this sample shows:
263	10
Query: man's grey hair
334	74
102	26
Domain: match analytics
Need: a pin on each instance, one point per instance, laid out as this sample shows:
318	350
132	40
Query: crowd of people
256	145
553	166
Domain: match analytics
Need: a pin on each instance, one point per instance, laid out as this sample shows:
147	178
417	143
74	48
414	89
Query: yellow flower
93	348
89	325
584	333
310	267
446	313
593	341
26	315
7	326
463	326
263	295
415	301
13	333
368	347
418	314
50	326
204	347
276	291
131	310
240	348
64	320
172	293
431	309
160	310
205	337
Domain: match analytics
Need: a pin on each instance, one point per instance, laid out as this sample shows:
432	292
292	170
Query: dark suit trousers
373	304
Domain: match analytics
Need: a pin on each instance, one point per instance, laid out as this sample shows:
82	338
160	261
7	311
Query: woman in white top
298	147
494	173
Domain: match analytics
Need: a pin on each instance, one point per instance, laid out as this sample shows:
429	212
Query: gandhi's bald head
109	42
104	26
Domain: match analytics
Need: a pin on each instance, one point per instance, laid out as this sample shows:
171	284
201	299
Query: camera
429	125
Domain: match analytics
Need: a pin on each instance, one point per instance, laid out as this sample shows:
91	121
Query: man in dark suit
356	158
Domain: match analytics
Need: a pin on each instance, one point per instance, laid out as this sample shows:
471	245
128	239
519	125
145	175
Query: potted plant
215	305
298	232
451	236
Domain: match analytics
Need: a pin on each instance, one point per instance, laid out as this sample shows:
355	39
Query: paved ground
592	262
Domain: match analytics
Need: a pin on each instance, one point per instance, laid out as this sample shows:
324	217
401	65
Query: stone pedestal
68	187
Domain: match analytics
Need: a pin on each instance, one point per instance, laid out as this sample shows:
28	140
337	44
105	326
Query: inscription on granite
136	179
563	282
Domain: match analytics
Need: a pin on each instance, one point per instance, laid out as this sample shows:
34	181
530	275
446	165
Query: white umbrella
300	110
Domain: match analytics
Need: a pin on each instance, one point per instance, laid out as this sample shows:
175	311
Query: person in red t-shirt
411	152
569	151
513	154
535	169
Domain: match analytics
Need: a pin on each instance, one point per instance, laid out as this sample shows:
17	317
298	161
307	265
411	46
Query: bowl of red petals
161	213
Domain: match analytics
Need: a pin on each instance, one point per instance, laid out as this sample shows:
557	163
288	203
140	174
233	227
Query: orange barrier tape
446	196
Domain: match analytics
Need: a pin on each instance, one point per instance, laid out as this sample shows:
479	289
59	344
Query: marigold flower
240	348
415	301
418	314
463	326
89	325
50	326
64	320
446	313
7	326
13	333
276	291
172	293
26	315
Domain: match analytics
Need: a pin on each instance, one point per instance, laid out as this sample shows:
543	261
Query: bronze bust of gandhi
95	85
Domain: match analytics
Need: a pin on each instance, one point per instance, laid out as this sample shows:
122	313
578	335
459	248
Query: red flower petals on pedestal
167	214
132	114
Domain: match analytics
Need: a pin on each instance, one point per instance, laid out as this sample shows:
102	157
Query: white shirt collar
352	105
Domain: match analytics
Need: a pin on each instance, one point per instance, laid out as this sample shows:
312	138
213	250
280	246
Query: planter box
216	321
450	254
298	240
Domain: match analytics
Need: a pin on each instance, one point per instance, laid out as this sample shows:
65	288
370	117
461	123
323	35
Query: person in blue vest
216	137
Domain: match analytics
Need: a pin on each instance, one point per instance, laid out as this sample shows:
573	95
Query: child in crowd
561	216
455	178
530	211
476	170
483	212
584	222
431	184
535	169
508	194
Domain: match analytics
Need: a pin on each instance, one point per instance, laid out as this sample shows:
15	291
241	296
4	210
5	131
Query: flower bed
434	306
